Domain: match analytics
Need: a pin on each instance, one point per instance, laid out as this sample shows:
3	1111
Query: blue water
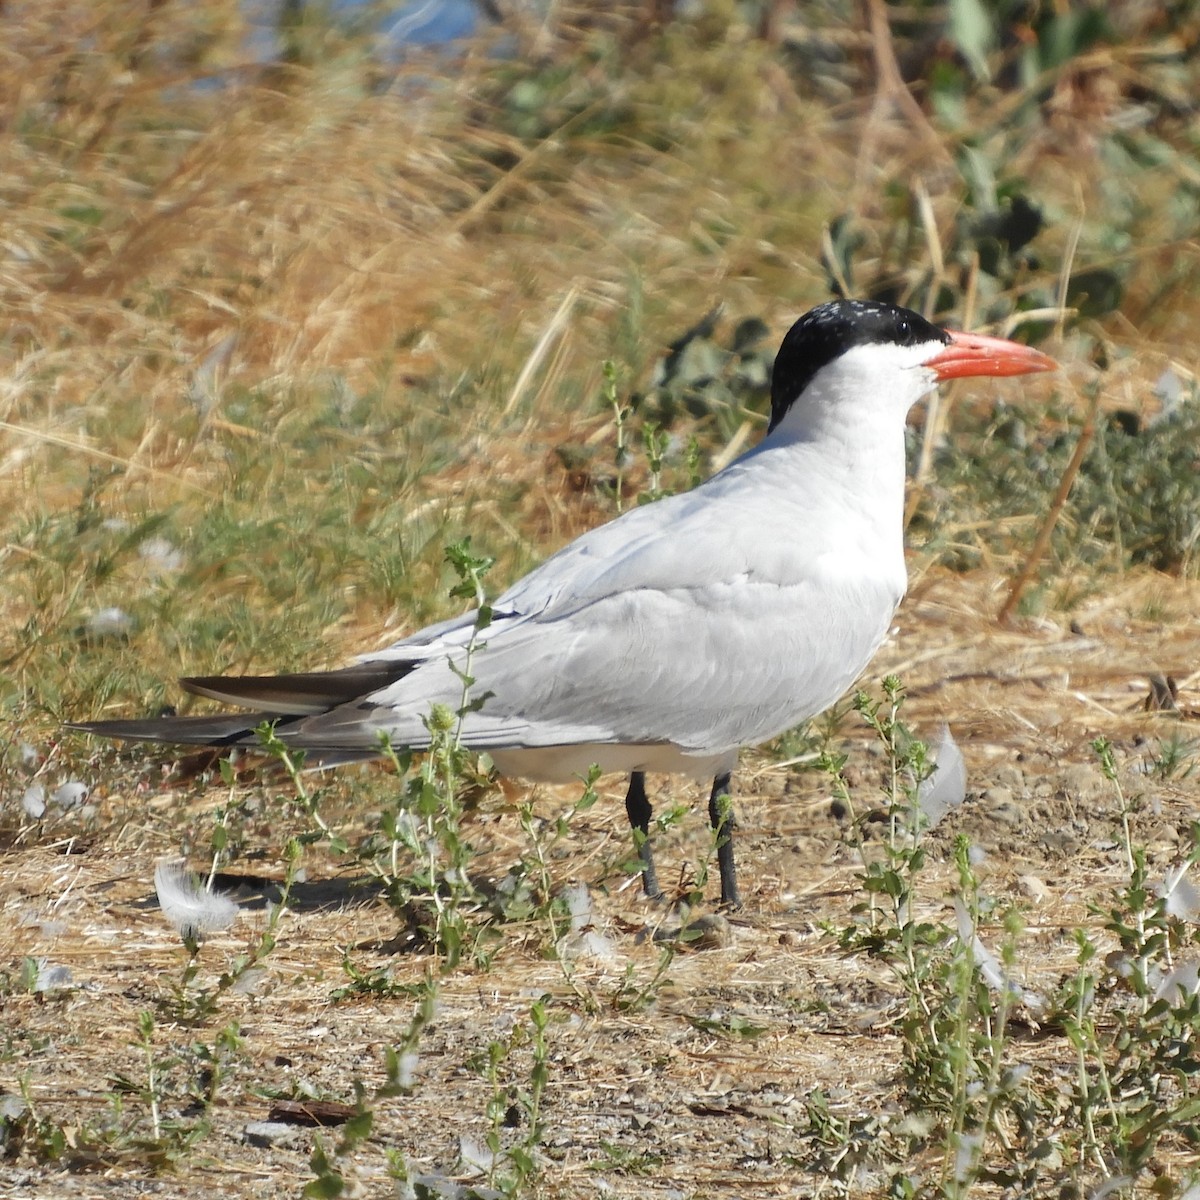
398	28
429	22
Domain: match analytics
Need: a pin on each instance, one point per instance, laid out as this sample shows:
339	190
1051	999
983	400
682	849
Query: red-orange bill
977	354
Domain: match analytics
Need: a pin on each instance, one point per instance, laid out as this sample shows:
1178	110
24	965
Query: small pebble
1032	888
1083	782
266	1134
710	932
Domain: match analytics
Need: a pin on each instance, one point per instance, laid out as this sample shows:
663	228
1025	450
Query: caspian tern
682	631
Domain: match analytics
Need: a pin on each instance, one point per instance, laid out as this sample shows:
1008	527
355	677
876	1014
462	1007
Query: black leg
721	816
640	812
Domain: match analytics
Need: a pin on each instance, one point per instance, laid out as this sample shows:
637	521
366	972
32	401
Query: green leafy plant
957	1000
1134	1080
512	1104
1135	501
1130	1019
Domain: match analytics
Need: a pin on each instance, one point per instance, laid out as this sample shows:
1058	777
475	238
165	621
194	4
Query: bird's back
705	622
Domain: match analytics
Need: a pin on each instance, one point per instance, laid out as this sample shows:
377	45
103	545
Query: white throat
866	389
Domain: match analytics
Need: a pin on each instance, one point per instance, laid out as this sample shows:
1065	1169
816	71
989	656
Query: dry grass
309	329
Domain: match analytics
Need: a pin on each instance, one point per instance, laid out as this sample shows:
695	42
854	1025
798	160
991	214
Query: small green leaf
973	33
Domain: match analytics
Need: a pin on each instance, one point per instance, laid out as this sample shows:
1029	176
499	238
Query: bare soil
648	1102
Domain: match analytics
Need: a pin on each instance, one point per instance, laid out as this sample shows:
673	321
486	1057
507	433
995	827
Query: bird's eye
904	329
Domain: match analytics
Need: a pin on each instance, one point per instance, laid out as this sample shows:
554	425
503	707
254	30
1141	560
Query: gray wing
662	626
710	620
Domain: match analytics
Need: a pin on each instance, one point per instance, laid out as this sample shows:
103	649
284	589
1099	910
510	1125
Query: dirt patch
701	1091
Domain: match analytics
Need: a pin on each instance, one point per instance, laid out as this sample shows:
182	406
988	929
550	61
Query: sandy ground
655	1101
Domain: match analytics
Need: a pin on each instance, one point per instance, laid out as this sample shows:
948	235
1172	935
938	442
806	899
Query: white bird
682	631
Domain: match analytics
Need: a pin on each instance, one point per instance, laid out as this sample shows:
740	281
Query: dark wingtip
221	732
178	731
304	694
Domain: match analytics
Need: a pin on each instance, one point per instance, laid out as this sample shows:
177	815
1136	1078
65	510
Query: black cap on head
829	330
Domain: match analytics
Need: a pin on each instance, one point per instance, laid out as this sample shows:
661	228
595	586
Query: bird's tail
236	730
283	701
226	732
